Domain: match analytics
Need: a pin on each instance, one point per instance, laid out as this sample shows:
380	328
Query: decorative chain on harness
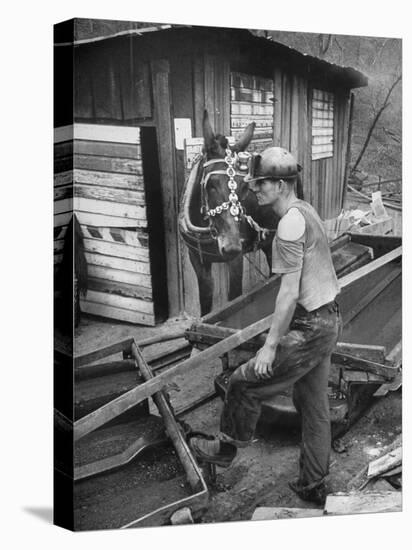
233	204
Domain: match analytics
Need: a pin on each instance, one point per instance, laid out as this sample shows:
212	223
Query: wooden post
165	138
348	149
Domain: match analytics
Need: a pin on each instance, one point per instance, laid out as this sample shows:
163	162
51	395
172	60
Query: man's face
267	191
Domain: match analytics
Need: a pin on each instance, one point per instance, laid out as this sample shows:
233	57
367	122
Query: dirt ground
259	475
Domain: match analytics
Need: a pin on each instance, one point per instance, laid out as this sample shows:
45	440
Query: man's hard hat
273	162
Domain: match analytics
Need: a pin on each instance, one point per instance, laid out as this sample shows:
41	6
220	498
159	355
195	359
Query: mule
220	219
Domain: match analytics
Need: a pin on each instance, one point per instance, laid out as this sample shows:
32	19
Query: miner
298	347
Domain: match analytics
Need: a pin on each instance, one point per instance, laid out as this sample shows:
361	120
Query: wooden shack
123	151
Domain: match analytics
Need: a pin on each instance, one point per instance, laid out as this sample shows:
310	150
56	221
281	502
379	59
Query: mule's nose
230	251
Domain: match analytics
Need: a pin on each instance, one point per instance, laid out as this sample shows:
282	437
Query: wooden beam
371	295
395	355
351	362
372	266
117	347
131	398
172	333
163	109
172	428
386	462
370	352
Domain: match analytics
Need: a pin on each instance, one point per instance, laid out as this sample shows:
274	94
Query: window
322	124
251	101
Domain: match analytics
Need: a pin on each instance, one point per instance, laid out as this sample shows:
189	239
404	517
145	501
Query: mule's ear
208	133
244	139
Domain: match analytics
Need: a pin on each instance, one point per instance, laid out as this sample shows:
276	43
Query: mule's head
224	225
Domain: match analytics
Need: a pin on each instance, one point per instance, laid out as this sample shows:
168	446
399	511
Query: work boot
310	493
213	451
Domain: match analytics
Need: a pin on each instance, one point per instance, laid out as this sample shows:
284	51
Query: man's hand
264	361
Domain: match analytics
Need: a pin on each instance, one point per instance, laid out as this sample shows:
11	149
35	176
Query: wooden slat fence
99	176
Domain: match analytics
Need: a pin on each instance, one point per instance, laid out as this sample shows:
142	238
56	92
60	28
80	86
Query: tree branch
374	122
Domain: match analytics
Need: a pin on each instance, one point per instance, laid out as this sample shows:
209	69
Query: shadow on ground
43	513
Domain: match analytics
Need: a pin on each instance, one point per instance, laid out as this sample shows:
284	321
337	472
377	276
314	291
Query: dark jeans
303	359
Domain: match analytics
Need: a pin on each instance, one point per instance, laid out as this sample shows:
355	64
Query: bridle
201	239
233	204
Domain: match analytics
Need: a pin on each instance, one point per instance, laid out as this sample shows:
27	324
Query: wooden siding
99	176
293	129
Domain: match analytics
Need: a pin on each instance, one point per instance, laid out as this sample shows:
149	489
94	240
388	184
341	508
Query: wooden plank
386	462
286	109
106	351
116	250
363	503
62	206
121	236
109	164
122	196
105	149
64	178
120	289
118	301
121	210
97	132
136	395
394	385
263	513
372	266
102	132
198	94
356	363
63	149
120	314
119	275
63	164
134	198
209	86
131	398
373	353
294	116
107	179
63	133
395	355
98	220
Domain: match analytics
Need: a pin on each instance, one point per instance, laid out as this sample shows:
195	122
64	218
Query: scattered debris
385	463
182	517
265	513
363	502
374	220
339	446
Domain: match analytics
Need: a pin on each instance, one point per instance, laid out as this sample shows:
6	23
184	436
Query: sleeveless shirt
310	253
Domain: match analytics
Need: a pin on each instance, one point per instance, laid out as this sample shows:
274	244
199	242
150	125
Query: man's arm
291	228
285	306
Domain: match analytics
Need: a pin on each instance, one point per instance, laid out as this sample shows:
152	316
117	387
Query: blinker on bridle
233	204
